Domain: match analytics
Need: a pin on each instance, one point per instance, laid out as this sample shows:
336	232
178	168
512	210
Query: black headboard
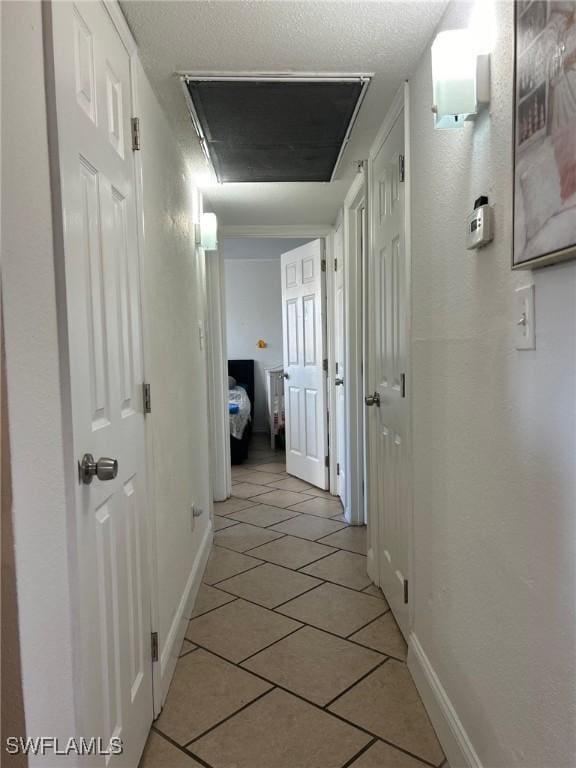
243	372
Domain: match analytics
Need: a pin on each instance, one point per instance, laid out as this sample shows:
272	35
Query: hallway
292	659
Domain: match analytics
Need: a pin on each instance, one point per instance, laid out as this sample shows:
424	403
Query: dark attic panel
274	130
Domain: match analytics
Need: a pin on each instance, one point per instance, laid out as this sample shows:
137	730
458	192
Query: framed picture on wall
544	132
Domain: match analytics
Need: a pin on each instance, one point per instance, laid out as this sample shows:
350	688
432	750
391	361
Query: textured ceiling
383	36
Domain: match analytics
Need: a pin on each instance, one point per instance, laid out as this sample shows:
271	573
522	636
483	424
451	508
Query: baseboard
173	644
449	729
371	567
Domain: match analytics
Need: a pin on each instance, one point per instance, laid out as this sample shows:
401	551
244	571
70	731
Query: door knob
338	382
286	375
373	399
104	468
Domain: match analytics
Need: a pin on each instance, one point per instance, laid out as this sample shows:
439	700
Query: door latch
373	399
103	469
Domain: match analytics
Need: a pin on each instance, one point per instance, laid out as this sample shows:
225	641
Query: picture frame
544	134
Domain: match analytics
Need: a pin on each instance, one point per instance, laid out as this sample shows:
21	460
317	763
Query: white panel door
93	99
339	380
305	386
388	518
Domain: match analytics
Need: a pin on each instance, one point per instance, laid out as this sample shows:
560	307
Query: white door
303	303
93	98
339	380
388	518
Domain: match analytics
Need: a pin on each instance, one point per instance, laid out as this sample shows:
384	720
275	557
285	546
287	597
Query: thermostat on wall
480	225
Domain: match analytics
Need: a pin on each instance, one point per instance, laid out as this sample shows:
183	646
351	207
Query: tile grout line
232	714
358	754
187	653
279	522
179	746
363	677
236	574
211	610
270	645
296	597
368	622
245	551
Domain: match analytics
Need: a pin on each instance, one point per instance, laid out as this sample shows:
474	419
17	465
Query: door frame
218	319
216	353
401	103
356	199
330	351
159	676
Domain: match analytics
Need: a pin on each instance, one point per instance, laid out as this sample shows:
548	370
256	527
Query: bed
241	396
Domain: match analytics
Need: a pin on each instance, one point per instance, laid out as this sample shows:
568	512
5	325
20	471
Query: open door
303	313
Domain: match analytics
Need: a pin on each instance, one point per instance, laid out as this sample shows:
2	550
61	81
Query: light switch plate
524	317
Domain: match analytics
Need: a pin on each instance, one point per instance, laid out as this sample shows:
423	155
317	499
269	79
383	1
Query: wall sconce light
209	232
460	78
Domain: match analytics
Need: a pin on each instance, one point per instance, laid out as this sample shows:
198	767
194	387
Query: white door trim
331	358
354	404
217	356
400	103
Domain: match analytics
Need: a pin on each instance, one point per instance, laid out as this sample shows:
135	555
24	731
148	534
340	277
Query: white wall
254	311
253	308
37	433
494	444
177	428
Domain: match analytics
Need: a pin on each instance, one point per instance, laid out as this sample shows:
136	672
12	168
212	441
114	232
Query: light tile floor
292	659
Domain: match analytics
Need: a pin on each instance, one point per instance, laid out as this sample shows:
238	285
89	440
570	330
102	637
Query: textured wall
494	443
174	305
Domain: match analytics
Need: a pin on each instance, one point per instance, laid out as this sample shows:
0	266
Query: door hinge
337	468
325	364
402	385
335	265
401	168
327	461
154	645
405	590
135	124
146	398
323	265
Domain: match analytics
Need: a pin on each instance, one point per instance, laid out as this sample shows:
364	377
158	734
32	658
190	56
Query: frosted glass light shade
454	78
209	232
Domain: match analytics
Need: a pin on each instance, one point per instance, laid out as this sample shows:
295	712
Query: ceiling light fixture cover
274	128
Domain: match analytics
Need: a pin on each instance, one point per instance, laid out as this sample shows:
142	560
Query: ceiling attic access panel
274	130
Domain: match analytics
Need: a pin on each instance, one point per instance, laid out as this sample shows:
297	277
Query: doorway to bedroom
256	355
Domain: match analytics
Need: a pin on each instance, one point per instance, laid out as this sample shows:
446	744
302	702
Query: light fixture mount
460	78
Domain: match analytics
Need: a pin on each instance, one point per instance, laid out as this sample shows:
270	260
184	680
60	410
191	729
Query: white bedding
239	420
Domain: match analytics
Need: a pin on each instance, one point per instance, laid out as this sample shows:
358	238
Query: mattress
238	396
